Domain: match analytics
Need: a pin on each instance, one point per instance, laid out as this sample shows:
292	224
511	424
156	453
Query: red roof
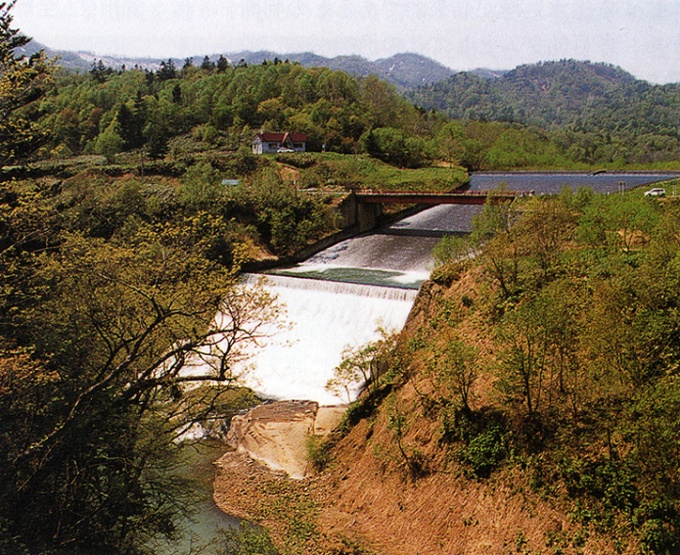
281	137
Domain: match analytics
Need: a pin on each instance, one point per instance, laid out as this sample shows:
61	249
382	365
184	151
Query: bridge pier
368	215
365	216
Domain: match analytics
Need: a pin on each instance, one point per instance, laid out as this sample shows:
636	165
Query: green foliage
318	452
202	188
360	367
580	105
109	143
22	82
484	452
451	248
95	331
482	437
285	219
222	106
410	458
454	368
246	540
395	147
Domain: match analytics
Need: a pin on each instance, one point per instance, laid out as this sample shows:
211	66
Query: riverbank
371	500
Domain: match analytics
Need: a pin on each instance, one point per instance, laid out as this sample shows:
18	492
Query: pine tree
222	64
167	71
131	125
208	64
22	81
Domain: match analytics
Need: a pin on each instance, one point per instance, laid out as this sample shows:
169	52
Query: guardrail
436	197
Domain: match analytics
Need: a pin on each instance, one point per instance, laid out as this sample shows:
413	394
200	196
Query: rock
275	434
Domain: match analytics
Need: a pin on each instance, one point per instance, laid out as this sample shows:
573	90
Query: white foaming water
296	363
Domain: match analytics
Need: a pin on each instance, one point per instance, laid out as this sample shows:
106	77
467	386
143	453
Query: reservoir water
552	183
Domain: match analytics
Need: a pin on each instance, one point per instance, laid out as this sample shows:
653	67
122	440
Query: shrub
297	159
485	451
318	452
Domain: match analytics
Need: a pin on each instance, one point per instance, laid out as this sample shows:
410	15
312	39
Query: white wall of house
269	147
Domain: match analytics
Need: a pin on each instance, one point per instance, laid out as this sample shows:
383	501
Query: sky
640	36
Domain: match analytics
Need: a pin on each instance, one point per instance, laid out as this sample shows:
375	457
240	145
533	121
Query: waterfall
297	361
339	298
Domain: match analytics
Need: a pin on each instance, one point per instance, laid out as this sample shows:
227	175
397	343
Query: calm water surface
553	183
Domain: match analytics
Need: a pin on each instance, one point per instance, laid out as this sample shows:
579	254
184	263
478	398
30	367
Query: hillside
556	94
530	404
405	70
594	110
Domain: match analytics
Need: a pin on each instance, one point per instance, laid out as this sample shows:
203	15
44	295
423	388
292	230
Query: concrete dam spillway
340	298
325	317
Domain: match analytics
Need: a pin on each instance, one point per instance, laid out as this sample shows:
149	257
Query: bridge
365	209
464	197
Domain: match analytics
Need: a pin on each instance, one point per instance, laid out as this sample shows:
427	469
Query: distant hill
583	95
403	70
82	61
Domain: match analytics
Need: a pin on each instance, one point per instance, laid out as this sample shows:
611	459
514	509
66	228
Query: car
284	150
657	192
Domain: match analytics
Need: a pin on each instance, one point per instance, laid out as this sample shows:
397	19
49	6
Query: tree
455	368
492	229
395	146
359	367
22	81
523	358
131	126
91	410
222	64
450	143
207	64
110	143
100	72
166	71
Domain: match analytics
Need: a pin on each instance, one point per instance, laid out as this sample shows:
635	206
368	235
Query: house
265	143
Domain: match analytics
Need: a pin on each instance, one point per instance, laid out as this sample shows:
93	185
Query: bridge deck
467	197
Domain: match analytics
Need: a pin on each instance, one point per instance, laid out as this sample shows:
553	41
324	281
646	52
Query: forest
594	112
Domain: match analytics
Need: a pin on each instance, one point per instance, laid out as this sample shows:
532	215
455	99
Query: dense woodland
119	243
594	113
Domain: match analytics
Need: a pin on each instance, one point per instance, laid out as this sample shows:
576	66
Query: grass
363	172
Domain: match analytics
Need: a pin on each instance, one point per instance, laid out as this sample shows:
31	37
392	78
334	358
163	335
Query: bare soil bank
367	500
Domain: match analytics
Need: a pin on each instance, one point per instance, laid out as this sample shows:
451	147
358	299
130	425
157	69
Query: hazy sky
641	36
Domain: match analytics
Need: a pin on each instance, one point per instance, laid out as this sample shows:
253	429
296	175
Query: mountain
83	61
580	94
409	70
403	70
487	73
